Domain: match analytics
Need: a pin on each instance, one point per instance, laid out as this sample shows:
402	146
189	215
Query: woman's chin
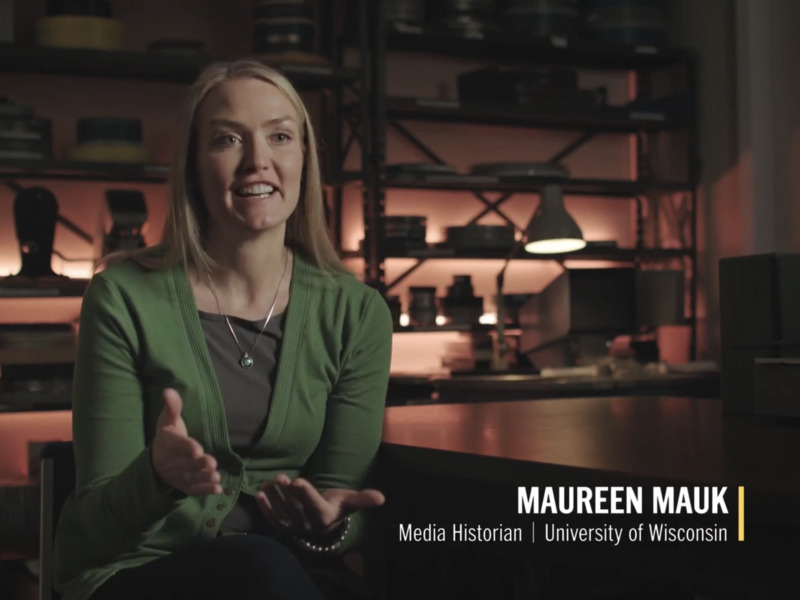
263	223
263	216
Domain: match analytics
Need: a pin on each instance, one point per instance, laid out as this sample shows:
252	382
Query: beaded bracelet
327	548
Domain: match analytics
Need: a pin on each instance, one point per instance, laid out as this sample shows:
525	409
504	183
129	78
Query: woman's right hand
179	460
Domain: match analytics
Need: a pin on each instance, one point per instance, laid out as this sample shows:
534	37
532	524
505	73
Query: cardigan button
228	491
212	522
222	506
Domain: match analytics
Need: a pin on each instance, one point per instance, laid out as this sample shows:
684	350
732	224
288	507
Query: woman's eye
225	140
282	137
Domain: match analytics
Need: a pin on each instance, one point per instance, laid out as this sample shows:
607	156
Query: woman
230	380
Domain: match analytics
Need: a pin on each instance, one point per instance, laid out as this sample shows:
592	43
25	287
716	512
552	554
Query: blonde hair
185	228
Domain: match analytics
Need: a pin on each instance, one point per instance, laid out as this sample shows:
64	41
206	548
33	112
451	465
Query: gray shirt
245	392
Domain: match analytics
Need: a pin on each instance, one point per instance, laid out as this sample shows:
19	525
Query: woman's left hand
295	506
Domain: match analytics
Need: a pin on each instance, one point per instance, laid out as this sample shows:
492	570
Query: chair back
57	483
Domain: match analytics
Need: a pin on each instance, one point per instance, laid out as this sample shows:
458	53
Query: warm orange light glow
673	343
17	430
8	266
488	319
422	353
583	263
40	310
77	270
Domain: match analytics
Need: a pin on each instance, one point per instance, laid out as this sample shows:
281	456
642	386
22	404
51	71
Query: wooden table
465	461
480	388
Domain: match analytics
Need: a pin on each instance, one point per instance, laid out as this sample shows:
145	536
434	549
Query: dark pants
243	567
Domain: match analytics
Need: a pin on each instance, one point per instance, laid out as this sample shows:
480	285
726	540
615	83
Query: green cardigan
139	334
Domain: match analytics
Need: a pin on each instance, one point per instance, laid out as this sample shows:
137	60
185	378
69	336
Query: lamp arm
499	360
500	325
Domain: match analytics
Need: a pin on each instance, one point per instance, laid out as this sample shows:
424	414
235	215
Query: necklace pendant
246	361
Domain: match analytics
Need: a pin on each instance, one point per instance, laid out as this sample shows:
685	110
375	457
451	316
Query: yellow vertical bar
741	513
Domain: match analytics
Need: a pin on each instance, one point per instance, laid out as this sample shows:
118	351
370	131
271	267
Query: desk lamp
552	230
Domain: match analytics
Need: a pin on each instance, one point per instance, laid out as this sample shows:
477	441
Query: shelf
128	172
457	327
83	171
605	254
34	401
157	173
483	183
146	66
43	288
601	119
554	50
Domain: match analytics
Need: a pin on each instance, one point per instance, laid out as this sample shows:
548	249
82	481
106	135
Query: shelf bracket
348	145
405	274
572	147
494	207
419	145
15	187
356	91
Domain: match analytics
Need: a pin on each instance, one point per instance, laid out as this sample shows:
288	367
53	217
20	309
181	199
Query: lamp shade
552	230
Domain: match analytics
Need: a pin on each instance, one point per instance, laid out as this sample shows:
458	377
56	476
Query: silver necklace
246	360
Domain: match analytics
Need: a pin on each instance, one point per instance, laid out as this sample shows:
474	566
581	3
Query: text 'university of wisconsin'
623	500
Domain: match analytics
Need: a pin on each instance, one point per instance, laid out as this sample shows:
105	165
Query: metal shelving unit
637	119
147	66
612	188
330	82
47	288
598	120
555	50
83	171
612	254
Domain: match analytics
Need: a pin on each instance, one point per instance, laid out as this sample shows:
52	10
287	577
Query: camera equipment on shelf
35	216
123	223
522	170
470	18
423	307
79	24
542	87
23	136
109	139
461	305
285	32
419	171
627	21
540	17
178	47
406	12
